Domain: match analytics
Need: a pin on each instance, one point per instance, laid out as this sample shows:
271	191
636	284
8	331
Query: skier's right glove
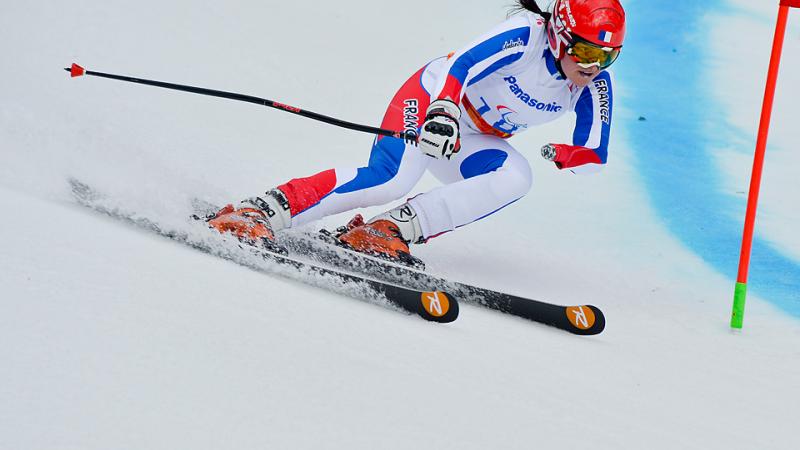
440	136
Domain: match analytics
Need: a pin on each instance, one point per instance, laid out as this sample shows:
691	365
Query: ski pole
740	292
408	136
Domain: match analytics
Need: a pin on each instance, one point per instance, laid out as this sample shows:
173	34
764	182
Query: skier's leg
487	175
393	170
394	167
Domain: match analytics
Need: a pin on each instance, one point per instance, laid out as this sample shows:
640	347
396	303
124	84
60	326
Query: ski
431	305
322	247
579	319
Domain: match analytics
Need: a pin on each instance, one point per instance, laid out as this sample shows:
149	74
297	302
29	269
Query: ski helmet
600	23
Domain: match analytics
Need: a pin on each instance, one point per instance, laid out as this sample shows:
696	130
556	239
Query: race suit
505	82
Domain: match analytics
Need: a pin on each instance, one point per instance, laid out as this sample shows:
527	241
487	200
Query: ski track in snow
114	338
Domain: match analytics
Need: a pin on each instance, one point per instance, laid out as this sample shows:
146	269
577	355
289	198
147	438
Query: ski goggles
587	54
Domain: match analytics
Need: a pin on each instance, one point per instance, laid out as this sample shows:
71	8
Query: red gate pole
737	316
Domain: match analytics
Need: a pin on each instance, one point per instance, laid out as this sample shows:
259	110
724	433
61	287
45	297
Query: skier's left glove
440	135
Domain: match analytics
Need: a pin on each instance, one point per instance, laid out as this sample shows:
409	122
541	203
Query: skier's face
581	76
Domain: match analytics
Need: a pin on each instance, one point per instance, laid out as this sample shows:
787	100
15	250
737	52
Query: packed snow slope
115	338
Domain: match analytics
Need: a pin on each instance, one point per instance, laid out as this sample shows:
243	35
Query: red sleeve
568	156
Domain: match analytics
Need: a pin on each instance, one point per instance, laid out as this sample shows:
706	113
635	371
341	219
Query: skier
529	70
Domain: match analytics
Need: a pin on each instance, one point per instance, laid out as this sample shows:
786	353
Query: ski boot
384	236
255	221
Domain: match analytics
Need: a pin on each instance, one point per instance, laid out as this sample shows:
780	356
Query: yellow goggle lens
588	54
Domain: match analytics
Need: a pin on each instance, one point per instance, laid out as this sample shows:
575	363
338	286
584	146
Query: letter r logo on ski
582	317
435	303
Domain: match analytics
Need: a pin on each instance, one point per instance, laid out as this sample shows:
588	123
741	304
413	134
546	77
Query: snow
778	222
115	338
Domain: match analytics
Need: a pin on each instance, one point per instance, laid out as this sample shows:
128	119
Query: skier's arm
590	139
500	47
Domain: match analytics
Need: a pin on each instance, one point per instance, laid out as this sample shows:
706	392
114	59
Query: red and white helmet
599	22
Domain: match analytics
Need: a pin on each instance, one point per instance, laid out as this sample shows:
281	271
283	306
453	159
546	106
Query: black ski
434	306
579	319
582	320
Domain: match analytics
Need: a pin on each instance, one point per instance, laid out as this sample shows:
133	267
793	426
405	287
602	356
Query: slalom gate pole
740	293
409	136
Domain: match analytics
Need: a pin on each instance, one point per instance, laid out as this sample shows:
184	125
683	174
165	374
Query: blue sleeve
594	111
500	47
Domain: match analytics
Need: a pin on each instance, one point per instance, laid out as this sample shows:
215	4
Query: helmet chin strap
560	69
